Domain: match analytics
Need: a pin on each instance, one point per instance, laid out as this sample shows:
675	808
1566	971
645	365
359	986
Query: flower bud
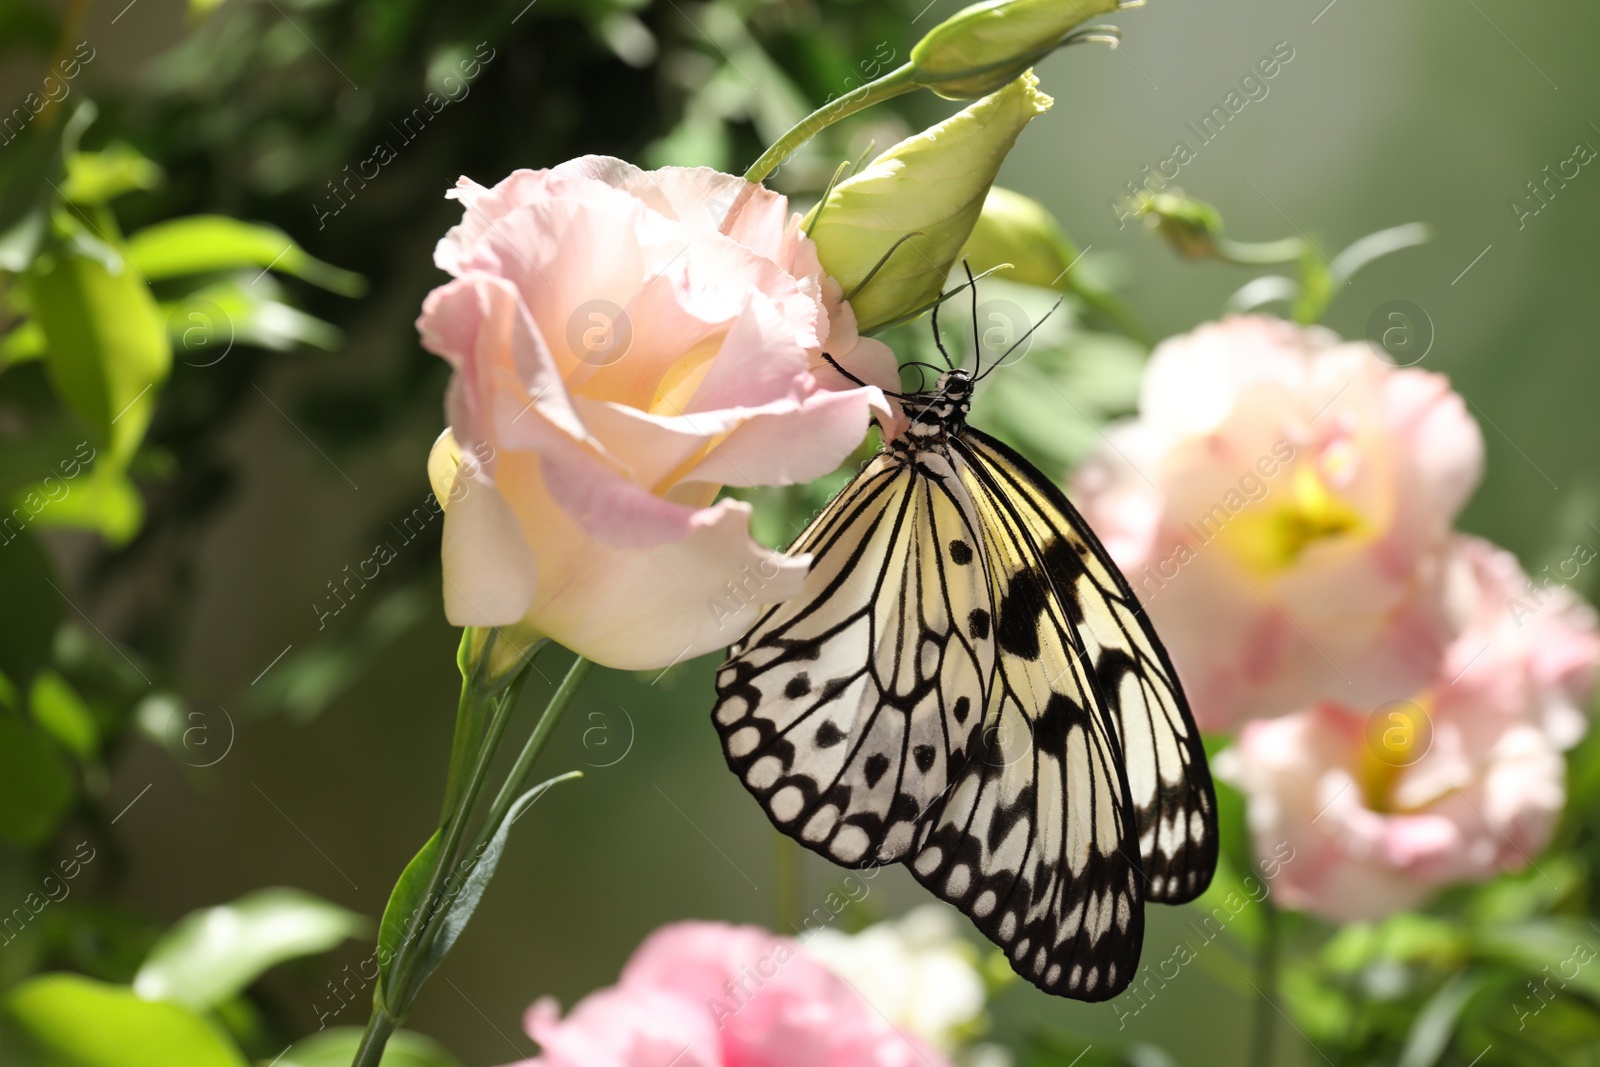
891	233
980	48
1019	230
1192	227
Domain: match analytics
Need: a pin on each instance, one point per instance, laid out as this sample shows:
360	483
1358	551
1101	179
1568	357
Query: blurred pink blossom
625	343
702	994
1282	503
1383	804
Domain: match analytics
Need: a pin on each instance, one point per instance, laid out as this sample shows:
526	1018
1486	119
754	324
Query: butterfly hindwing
1165	761
1036	841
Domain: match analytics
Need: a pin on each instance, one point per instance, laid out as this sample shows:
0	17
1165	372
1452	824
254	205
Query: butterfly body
968	686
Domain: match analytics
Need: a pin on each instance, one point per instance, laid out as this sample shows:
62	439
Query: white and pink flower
1282	503
702	994
625	343
1463	778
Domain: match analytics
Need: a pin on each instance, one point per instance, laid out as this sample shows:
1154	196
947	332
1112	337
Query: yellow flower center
1398	735
1271	539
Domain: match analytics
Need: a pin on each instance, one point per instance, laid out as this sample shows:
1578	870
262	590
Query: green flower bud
1192	227
980	48
1020	231
891	233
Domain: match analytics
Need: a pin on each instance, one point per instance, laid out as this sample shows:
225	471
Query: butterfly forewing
844	712
967	684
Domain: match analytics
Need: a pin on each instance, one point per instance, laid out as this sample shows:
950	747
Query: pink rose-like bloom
625	343
1282	504
702	994
1379	807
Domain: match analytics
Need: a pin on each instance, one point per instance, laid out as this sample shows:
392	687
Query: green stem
531	749
407	983
379	1029
1266	1020
789	883
455	828
482	715
1260	253
890	85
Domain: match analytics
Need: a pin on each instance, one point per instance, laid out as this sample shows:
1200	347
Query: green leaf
203	243
403	916
60	712
27	167
466	900
72	1021
207	323
337	1047
408	912
22	344
1561	949
105	500
36	787
33	609
1435	1024
212	955
98	177
108	343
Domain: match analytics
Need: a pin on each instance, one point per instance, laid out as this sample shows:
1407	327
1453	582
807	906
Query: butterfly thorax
935	414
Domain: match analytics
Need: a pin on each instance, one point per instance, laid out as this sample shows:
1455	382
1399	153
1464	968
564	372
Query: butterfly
967	685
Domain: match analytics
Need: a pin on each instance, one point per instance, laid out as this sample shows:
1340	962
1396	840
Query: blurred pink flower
1282	503
1383	805
625	343
701	994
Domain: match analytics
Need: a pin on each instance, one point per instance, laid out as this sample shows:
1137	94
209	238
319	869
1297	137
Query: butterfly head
937	412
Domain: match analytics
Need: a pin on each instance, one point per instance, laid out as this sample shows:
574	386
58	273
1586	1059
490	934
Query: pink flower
1377	807
701	994
625	343
1282	504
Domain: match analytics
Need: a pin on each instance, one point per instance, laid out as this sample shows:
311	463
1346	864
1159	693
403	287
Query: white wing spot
820	825
1069	924
1092	979
787	802
1008	926
732	710
984	904
960	880
1053	975
929	861
1077	976
743	742
1124	913
765	772
850	843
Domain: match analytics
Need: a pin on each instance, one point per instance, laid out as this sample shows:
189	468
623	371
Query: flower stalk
491	683
886	87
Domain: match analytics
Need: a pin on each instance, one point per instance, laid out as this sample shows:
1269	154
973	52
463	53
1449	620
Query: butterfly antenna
977	349
1002	360
937	340
835	365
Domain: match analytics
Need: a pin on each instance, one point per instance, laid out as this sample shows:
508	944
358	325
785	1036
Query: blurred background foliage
213	406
